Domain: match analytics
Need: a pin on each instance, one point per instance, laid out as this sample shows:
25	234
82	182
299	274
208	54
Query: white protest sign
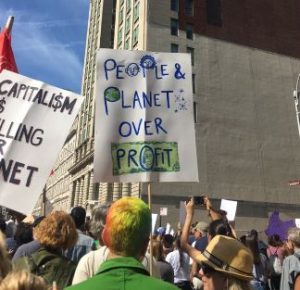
168	229
230	207
163	211
297	222
35	119
144	127
154	220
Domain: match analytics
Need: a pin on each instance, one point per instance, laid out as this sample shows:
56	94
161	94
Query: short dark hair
2	225
37	221
78	214
23	233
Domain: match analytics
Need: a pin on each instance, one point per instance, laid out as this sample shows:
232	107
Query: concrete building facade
245	57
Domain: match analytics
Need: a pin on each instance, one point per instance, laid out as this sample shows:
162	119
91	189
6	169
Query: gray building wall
246	130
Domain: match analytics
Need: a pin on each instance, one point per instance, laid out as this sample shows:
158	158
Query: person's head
167	242
293	238
200	230
2	226
23	280
23	233
252	243
243	239
78	214
226	263
57	230
254	234
127	228
37	221
98	221
275	241
5	264
219	227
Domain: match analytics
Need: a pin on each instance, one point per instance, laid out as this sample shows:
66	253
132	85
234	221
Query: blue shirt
83	246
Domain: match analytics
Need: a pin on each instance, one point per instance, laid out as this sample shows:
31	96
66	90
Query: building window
191	50
174	5
135	35
189	7
189	31
195	111
174	47
121	16
128	5
136	12
174	26
127	43
119	36
127	25
194	83
214	12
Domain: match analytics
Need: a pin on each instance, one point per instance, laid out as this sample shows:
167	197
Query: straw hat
227	255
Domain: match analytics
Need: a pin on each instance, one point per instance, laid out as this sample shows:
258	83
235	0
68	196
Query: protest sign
230	207
154	220
163	211
144	117
34	122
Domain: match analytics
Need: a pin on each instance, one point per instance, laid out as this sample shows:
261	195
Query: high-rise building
245	57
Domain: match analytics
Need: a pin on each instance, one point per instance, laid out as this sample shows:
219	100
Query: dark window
195	112
174	5
174	26
194	83
174	47
214	12
189	31
189	7
191	50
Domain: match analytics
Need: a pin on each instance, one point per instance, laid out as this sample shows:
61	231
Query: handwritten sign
144	117
34	122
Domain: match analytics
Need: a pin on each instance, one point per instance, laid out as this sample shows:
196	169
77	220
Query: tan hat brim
228	271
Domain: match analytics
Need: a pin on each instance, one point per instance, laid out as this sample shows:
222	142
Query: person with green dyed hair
126	234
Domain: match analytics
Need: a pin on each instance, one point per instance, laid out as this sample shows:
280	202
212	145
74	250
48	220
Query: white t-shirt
90	263
181	272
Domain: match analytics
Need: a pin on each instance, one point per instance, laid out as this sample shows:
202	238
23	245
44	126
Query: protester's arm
212	212
193	253
297	283
194	270
232	227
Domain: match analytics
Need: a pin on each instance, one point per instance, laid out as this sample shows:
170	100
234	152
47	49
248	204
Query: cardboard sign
230	207
35	119
163	211
144	117
297	222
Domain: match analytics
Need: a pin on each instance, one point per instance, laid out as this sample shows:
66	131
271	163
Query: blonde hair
23	280
57	230
5	264
237	284
294	236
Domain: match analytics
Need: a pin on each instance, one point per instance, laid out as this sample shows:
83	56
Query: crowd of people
115	249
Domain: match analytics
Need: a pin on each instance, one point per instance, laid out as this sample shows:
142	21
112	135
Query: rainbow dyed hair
128	226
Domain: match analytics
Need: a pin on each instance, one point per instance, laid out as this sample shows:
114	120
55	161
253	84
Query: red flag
7	59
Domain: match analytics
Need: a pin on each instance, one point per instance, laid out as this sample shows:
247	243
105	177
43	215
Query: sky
48	39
